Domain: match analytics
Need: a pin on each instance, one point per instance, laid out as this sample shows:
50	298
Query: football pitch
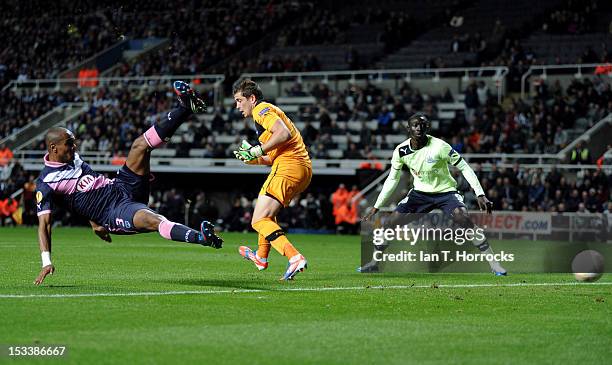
142	299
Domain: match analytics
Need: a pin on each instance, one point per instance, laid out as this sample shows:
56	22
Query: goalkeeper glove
245	145
247	152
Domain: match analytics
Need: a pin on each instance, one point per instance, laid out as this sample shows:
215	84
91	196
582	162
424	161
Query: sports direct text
515	222
411	235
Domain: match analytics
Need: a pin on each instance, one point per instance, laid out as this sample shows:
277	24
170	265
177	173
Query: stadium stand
225	30
468	37
511	189
332	39
567	49
80	30
358	35
365	116
343	120
19	110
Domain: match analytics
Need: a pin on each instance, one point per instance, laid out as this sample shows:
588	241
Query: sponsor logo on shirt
423	173
85	183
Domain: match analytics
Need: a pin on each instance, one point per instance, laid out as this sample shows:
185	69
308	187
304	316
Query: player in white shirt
428	158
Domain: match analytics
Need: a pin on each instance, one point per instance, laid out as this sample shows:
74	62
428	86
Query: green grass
423	324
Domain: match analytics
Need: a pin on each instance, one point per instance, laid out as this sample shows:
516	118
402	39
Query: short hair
248	87
56	134
418	117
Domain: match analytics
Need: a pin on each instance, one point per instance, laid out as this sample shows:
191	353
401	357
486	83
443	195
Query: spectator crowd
41	44
523	189
41	39
362	116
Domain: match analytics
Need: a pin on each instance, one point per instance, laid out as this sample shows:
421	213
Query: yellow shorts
286	181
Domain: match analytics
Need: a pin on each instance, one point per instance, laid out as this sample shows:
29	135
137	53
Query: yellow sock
273	233
263	251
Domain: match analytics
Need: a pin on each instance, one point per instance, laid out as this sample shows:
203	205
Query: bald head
57	134
61	145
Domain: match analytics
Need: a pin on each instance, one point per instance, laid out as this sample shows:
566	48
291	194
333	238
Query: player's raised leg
138	159
264	223
149	221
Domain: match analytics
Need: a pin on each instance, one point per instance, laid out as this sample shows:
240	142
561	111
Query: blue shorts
133	191
135	186
420	202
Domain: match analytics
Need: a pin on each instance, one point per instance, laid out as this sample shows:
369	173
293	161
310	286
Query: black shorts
420	202
133	191
136	186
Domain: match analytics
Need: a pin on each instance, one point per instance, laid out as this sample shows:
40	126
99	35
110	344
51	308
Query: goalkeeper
281	146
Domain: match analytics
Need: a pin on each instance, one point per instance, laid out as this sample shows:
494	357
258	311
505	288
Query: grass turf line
569	323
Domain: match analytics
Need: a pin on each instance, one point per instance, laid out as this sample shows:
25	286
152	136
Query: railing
163	160
110	81
157	44
545	167
513	157
497	73
138	81
90	62
553	162
101	161
586	136
577	69
540	159
58	115
35	156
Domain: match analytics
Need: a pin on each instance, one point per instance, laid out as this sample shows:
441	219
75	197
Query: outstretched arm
101	231
472	179
44	241
389	186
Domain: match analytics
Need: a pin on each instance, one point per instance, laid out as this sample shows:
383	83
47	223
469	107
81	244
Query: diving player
115	206
427	158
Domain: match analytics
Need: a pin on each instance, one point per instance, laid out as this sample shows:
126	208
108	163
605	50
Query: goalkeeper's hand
247	152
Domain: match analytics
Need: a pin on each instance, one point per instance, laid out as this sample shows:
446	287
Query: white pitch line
339	288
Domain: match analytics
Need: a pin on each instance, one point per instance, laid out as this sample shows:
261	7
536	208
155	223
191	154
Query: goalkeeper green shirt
428	165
